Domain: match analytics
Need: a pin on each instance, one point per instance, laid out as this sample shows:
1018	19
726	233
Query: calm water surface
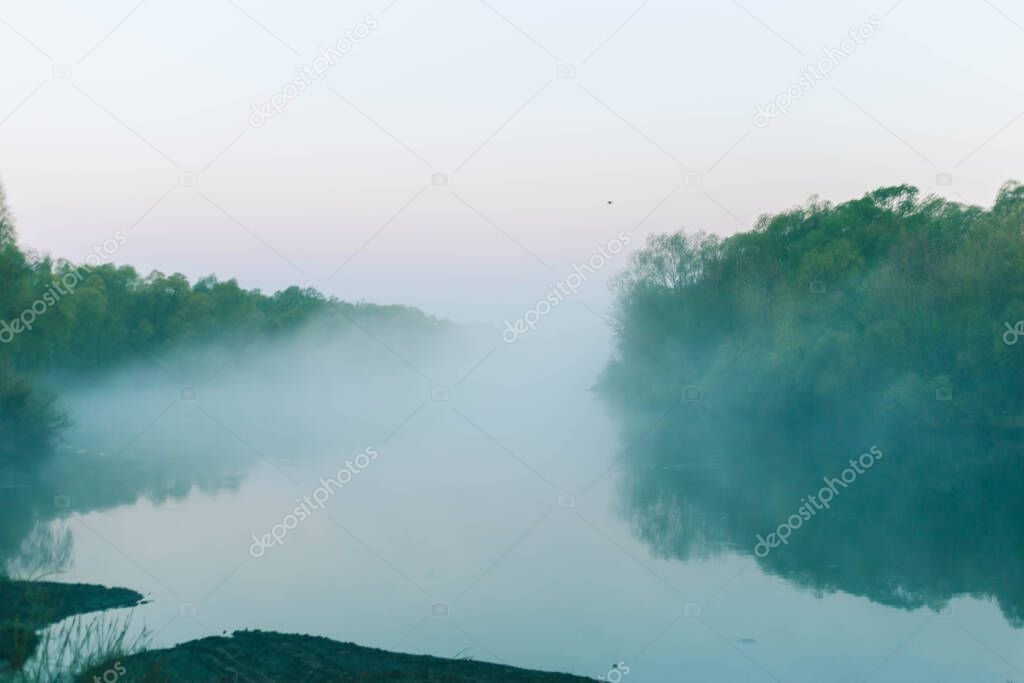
503	524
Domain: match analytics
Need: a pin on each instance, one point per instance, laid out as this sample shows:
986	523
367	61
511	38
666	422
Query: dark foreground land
251	656
26	607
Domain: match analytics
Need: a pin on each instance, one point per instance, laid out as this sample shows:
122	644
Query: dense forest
867	310
750	368
75	318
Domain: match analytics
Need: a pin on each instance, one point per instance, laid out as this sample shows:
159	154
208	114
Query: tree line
750	368
889	307
59	316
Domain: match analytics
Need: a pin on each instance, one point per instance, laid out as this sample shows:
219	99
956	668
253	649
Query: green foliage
857	310
6	221
826	329
95	317
28	417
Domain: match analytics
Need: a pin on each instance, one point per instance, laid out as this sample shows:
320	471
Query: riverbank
27	607
250	656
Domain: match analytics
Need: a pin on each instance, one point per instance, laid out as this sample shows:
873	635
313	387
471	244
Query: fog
200	419
517	516
368	346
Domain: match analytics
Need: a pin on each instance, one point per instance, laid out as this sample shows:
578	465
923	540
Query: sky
461	156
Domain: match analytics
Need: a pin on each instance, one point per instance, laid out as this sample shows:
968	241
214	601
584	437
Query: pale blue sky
471	89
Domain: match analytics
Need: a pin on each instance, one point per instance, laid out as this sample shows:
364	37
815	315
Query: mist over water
510	513
498	331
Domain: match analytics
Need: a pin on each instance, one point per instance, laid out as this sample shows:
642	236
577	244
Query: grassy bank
27	607
251	656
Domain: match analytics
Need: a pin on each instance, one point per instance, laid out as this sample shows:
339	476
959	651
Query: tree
7	236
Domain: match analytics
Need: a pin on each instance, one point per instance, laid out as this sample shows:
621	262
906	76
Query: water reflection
939	515
40	494
165	494
201	419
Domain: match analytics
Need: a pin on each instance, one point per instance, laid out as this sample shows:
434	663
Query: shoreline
28	607
252	656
